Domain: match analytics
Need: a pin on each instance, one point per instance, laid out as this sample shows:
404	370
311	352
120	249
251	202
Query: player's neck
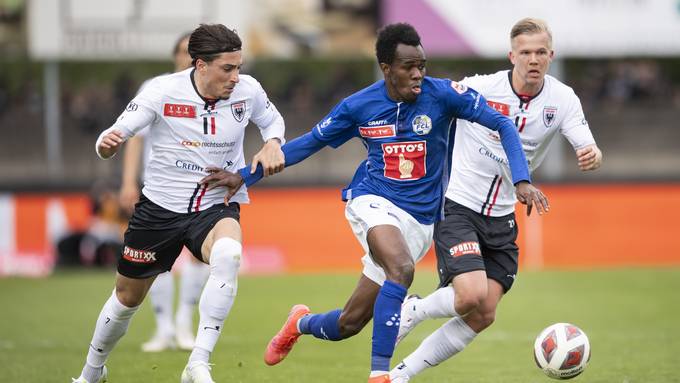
521	87
202	88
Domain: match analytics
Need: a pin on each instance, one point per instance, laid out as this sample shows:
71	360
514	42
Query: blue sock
386	316
322	326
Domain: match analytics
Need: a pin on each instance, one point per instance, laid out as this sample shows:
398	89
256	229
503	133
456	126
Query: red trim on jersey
200	196
212	125
495	195
524	121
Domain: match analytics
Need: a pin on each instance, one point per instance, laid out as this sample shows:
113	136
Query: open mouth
416	89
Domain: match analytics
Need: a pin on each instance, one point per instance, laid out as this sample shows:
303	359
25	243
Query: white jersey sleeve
266	116
138	114
575	126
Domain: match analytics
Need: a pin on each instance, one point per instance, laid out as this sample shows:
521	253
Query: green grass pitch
630	315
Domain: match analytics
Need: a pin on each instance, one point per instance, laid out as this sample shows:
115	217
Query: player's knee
225	261
351	324
466	303
482	320
129	297
401	272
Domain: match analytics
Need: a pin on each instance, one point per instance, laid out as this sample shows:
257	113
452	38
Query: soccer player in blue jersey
406	122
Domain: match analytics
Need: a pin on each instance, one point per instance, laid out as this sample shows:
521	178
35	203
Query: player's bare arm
129	189
110	143
270	157
589	157
530	195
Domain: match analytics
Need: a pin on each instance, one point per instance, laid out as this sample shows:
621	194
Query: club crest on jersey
179	110
549	113
422	124
238	109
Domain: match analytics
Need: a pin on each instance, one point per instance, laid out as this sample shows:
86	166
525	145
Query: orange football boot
281	344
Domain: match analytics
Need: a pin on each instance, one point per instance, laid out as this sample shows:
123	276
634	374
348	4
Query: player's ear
385	68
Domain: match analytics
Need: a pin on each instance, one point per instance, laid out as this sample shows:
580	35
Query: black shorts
155	236
467	241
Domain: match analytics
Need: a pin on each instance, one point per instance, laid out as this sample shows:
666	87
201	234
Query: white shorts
368	211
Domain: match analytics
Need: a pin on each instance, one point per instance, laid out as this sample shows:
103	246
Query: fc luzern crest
422	124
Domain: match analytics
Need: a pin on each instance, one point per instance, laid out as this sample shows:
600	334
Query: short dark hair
209	40
178	43
392	35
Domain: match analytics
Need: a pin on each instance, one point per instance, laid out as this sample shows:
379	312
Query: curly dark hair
392	35
209	40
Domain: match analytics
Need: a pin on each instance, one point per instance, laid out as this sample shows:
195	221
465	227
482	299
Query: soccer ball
562	351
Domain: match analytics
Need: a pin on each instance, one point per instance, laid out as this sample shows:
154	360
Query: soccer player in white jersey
197	119
475	243
178	332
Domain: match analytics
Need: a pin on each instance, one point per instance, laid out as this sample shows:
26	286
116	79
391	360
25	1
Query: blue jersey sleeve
510	140
466	103
334	130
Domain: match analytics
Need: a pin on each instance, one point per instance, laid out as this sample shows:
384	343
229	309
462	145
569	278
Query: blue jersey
409	144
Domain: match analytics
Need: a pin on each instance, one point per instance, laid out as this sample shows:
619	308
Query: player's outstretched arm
589	157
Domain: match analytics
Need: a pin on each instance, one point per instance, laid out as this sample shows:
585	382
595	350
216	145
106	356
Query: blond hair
530	25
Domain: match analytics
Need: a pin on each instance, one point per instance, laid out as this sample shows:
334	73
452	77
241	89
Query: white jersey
189	133
480	175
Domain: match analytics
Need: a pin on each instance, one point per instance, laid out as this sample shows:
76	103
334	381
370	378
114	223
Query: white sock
111	325
192	280
161	295
439	304
218	296
445	342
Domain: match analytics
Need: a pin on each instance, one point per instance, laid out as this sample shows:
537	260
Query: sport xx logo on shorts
464	248
405	160
139	256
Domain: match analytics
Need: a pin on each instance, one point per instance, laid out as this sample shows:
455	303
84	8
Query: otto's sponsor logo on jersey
487	153
139	256
238	109
500	107
207	144
422	124
465	248
377	131
179	110
405	160
458	87
549	113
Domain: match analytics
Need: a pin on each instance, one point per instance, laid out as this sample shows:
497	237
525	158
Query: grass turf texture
630	316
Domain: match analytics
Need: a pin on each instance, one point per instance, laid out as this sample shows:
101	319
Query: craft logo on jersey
422	124
381	131
238	109
465	248
549	113
405	160
499	107
179	110
139	256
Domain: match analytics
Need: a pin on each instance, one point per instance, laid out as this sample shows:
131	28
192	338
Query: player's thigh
367	212
500	250
152	241
218	221
456	240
